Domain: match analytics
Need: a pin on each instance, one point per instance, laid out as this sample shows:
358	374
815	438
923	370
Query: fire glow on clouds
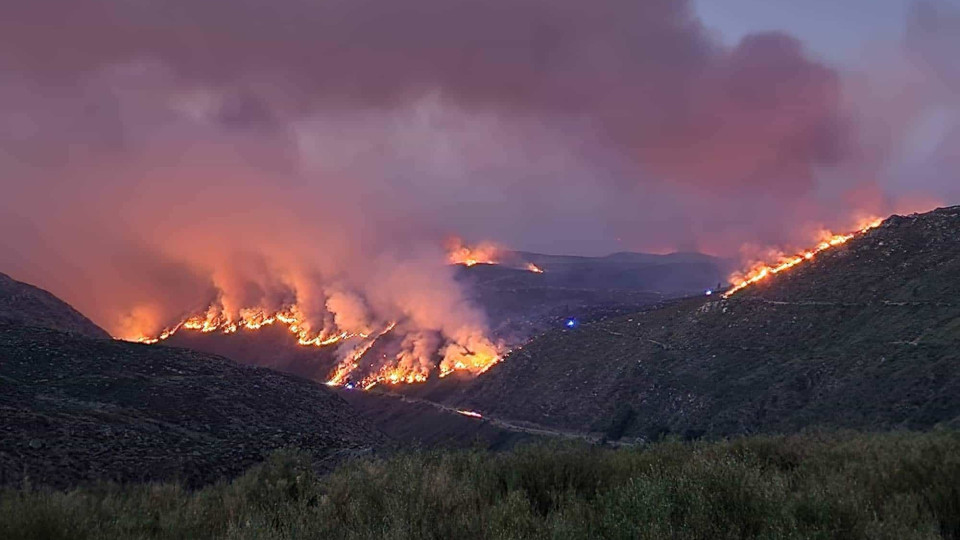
215	164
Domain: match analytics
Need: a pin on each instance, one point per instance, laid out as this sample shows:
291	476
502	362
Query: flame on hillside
483	253
215	320
470	353
458	252
761	270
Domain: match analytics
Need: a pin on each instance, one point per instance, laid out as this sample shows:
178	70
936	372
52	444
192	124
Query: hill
867	335
75	410
21	303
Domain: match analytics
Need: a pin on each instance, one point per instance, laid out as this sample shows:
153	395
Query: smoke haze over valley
163	158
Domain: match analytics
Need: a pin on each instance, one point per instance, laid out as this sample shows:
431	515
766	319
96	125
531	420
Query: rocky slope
867	335
75	409
25	304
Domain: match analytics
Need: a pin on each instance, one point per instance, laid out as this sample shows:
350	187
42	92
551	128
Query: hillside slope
867	335
76	410
21	303
518	304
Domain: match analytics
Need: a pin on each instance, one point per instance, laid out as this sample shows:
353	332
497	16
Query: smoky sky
155	153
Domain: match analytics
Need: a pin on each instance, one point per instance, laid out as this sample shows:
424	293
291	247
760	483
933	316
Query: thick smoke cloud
161	156
642	76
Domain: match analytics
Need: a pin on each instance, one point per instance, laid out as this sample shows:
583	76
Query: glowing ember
534	268
471	414
762	270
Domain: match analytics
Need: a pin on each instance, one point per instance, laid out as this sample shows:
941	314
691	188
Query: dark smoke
158	156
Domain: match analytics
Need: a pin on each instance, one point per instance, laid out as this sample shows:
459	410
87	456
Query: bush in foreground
900	485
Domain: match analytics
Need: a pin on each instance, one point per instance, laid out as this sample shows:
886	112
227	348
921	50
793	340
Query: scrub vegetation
814	485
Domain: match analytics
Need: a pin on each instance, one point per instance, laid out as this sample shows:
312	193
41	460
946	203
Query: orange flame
471	414
214	320
352	362
483	253
394	375
534	268
760	271
478	359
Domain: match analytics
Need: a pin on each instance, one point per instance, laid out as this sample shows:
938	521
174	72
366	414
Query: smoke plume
164	159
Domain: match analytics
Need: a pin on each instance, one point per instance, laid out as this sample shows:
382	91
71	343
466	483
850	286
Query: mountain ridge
25	304
867	335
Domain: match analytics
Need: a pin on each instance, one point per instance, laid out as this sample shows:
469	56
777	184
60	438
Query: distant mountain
867	335
25	304
520	303
669	275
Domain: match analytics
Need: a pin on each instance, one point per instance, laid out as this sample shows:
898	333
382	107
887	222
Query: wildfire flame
760	270
465	350
483	253
214	320
471	414
456	357
460	253
352	362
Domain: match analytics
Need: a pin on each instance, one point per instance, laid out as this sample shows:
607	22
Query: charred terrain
865	336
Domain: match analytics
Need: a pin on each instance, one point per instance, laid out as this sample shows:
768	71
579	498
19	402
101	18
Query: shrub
815	485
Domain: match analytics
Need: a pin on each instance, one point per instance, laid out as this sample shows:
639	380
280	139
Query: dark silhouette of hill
867	336
25	304
272	347
75	409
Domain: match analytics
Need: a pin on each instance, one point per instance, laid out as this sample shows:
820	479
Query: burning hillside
864	336
372	346
429	330
483	253
220	184
780	262
419	354
461	253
